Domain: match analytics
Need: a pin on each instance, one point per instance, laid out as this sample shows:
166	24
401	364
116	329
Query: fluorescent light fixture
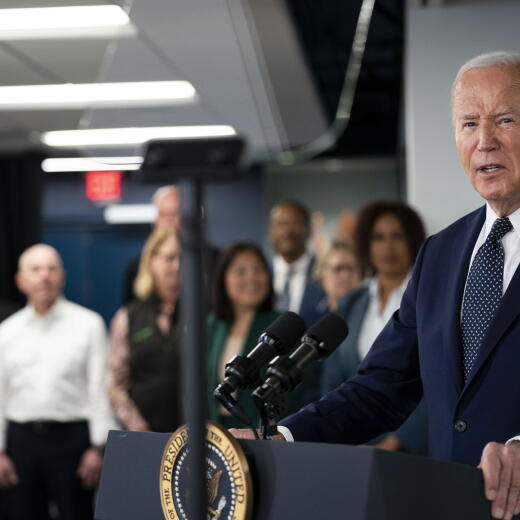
95	95
69	33
89	21
130	136
33	18
130	214
85	164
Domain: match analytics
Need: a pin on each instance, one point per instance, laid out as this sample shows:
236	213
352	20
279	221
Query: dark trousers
46	456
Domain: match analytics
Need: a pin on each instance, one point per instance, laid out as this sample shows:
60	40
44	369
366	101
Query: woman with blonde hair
338	272
144	360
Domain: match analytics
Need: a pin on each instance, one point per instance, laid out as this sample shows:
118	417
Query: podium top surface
304	481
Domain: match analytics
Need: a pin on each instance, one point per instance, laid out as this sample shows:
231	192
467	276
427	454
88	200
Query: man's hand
248	434
389	443
8	475
501	467
89	469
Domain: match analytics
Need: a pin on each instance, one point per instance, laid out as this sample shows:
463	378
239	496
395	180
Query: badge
230	492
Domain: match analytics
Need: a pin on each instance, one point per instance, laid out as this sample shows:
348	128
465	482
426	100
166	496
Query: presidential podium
302	481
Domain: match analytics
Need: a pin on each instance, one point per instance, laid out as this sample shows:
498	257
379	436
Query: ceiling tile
69	61
40	121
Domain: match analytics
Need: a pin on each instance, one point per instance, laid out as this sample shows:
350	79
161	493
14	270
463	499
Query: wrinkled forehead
491	87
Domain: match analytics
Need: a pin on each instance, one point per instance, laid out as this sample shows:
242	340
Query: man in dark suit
293	266
456	337
289	231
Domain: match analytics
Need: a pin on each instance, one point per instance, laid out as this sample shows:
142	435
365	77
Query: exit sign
103	185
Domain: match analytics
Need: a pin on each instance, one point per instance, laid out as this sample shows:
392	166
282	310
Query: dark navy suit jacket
344	362
419	352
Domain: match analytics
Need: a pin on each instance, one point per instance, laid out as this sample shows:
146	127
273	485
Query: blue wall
96	255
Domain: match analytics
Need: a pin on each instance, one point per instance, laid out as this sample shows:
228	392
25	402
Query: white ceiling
212	43
242	56
43	62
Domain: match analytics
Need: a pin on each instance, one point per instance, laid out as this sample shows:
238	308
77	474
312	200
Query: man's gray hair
488	60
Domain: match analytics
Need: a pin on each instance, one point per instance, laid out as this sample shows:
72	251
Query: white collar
373	286
491	216
53	310
298	266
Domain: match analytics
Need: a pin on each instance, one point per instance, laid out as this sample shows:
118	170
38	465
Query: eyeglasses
341	268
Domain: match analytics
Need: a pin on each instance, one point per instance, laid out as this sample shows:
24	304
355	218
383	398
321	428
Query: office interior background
273	72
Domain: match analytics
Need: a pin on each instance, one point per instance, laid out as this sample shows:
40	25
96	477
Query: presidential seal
230	492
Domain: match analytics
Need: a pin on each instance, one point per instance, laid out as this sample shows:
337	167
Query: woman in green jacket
242	309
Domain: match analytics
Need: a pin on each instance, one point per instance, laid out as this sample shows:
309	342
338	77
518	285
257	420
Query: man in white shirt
54	411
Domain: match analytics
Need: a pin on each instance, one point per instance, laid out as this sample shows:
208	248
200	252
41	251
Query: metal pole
193	305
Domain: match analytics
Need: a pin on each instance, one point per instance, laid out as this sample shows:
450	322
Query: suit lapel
458	267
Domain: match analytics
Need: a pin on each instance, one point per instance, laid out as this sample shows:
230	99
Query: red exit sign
103	185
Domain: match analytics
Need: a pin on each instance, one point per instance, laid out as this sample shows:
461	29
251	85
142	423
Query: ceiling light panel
84	164
130	214
130	136
96	95
52	22
62	17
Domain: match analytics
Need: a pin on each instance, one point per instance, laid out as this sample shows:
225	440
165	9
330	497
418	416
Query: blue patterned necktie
483	292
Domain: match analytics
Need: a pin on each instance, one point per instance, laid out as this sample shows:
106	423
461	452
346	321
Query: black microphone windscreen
288	328
331	330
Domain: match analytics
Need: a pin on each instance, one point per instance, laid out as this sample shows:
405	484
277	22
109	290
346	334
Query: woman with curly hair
387	240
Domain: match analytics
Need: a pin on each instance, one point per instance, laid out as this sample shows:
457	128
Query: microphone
284	374
243	372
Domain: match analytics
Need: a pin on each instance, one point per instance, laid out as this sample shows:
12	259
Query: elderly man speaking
54	411
456	337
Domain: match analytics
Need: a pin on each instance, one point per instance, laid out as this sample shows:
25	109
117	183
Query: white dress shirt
52	367
300	270
510	243
373	323
375	320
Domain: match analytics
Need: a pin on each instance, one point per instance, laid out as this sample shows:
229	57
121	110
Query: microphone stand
194	360
270	412
194	163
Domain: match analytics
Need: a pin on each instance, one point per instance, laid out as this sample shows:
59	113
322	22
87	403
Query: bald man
54	411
